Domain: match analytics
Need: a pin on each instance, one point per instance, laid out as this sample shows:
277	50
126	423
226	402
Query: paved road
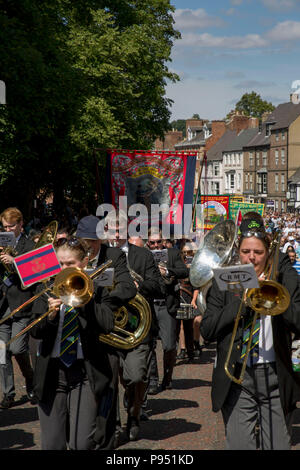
180	418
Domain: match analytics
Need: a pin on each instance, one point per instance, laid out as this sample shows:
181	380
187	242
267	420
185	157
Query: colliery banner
211	210
245	207
152	178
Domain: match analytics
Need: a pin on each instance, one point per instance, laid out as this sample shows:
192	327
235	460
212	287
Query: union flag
37	265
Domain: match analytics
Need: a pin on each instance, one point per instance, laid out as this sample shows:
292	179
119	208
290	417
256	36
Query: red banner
149	178
37	265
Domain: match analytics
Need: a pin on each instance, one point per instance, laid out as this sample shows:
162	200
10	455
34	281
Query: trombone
270	298
72	285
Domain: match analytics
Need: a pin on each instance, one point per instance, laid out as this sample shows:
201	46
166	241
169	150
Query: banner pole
198	187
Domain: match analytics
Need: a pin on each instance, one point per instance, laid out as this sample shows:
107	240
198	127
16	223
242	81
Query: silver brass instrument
270	298
214	252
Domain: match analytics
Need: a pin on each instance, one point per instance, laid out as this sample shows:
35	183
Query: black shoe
144	415
182	354
133	428
197	349
7	402
153	389
166	385
190	360
30	393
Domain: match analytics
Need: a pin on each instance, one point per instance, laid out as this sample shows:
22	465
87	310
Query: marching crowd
77	394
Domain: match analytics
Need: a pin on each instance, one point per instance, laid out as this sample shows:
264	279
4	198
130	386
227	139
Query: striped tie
69	336
253	352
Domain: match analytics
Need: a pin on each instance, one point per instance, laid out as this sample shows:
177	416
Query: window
264	183
282	156
217	170
257	158
264	159
239	181
251	160
282	182
277	136
268	129
251	181
232	181
217	188
276	182
276	157
282	135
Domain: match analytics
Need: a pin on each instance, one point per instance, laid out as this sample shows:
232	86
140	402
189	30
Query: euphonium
132	321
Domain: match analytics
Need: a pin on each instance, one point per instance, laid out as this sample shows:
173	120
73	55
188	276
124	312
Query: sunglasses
72	241
249	234
152	242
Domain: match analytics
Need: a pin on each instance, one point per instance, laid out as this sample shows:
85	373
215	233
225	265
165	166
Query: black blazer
217	325
124	288
14	296
178	270
142	262
94	318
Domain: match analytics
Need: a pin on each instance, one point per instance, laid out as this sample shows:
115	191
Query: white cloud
214	99
194	19
224	42
280	4
285	31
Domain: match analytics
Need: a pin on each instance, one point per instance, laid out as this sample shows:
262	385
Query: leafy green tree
179	125
253	105
79	75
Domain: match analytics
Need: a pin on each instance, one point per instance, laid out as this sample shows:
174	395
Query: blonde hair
12	214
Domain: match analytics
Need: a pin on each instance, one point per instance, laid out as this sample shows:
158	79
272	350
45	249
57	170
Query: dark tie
69	336
253	352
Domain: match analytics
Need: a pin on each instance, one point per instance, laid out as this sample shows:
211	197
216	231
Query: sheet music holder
160	255
235	278
7	239
105	279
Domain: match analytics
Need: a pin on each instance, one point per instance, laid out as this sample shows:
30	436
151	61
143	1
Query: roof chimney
294	98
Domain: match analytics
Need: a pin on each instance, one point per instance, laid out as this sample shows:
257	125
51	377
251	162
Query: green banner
245	207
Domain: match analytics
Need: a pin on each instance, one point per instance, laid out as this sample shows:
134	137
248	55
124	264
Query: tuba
270	298
215	251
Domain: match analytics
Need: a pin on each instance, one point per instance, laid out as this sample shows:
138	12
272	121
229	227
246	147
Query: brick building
272	157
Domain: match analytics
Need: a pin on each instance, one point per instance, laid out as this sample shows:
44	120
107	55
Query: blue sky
231	47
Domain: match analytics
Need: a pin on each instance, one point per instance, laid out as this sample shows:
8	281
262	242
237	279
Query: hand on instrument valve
54	303
6	259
